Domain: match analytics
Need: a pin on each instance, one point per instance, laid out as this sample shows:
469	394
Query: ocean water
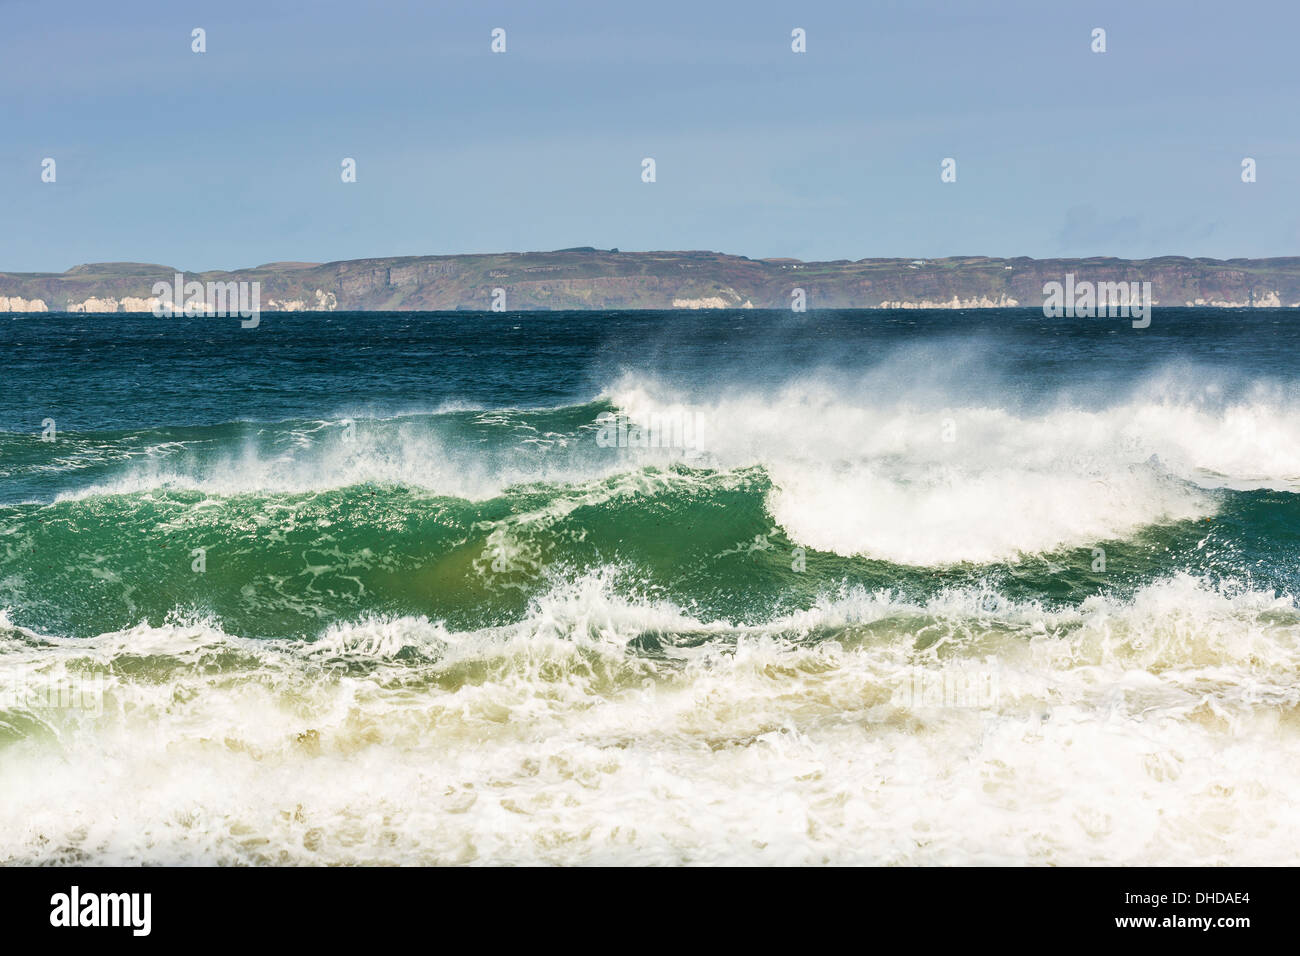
717	587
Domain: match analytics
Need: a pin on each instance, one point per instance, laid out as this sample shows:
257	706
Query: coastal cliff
589	278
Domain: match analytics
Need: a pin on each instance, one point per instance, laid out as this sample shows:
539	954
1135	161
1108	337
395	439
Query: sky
232	157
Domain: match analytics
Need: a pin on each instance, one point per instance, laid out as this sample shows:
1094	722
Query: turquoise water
531	573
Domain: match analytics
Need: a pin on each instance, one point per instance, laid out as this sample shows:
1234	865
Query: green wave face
289	564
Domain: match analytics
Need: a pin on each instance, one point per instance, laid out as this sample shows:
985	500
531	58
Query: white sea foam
1160	729
868	474
412	451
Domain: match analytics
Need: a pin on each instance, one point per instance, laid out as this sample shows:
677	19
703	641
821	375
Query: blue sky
232	157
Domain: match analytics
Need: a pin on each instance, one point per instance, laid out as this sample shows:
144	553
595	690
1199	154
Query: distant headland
588	278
